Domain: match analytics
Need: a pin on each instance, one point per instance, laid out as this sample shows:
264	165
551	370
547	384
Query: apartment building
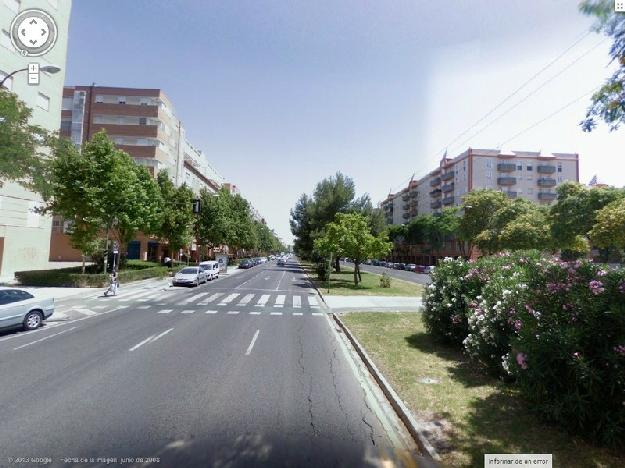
24	234
142	122
519	174
524	174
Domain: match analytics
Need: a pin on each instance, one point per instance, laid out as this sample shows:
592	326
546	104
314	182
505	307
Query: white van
211	267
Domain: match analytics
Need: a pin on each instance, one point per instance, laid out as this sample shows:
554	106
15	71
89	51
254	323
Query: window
5	40
530	178
560	179
66	126
8	84
13	5
143	121
559	167
43	101
121	99
489	174
519	168
99	98
489	164
67	103
530	168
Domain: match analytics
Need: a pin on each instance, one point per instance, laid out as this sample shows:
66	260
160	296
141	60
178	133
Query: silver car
19	308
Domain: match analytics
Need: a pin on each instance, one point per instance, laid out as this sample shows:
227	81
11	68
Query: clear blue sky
280	94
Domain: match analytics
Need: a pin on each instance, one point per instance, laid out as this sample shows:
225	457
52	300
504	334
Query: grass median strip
469	414
342	284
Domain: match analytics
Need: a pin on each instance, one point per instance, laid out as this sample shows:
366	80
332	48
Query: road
399	274
244	371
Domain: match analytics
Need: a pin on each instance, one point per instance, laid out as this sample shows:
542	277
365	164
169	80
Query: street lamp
52	69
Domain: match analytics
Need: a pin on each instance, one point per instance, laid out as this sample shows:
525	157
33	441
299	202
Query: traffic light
196	205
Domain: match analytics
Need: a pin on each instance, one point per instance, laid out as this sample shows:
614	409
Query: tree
478	206
176	216
609	228
608	103
528	230
213	221
22	145
301	226
350	235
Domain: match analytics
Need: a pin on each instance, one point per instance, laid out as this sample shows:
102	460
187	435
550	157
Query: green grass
477	414
342	284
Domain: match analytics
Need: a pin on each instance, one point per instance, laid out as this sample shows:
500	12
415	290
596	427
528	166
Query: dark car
400	266
245	264
420	268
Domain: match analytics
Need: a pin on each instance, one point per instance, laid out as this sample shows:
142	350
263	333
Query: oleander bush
385	280
554	328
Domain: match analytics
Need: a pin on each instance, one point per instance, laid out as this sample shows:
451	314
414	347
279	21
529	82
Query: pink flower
620	349
517	325
621	287
455	319
596	287
602	273
576	355
521	360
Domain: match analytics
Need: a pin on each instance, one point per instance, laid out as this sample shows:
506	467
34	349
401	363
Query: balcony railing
547	196
406	206
546	182
447	176
436	193
406	215
414	194
511	194
435	205
436	181
405	197
506	167
448	200
506	180
448	187
546	169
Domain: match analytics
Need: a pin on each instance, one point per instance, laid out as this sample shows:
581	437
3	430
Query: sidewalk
373	303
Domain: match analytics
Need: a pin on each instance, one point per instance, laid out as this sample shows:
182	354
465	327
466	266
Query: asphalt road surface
244	371
399	274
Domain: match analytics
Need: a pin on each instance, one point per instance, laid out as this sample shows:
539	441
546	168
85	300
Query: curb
414	428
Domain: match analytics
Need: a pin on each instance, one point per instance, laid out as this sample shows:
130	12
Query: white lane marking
99	307
263	300
317	314
297	313
280	301
312	301
188	311
249	348
150	339
165	311
297	302
280	281
276	313
144	307
246	299
210	299
194	297
227	300
254	313
233	312
211	311
44	338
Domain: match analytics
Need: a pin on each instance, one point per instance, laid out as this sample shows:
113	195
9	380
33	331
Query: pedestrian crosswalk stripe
164	311
280	300
254	313
246	299
263	300
99	307
211	311
297	313
194	297
233	312
143	307
276	313
312	301
297	302
134	295
227	300
188	311
317	313
210	299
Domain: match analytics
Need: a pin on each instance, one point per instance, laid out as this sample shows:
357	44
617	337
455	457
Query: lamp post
46	68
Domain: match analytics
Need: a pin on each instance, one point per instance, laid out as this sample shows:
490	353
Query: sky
280	94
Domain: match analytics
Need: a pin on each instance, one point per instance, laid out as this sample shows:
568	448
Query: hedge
554	329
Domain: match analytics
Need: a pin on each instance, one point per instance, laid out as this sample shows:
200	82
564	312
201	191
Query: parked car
420	269
368	262
211	267
246	263
382	263
282	261
411	267
20	309
428	269
190	276
400	266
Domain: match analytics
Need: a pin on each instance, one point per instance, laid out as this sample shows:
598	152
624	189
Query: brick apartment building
523	174
141	122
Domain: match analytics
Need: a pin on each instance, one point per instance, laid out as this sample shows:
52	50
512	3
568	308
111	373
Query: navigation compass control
33	32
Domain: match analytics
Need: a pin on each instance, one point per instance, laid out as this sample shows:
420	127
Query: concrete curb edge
398	405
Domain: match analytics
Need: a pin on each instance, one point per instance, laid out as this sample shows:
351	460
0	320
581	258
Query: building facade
24	234
519	174
142	122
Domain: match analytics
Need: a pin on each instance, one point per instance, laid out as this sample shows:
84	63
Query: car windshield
188	271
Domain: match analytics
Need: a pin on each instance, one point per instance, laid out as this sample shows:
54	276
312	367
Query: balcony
436	181
549	196
506	167
506	180
448	188
435	205
436	193
447	176
546	182
405	197
448	200
546	169
405	216
511	194
414	194
405	207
